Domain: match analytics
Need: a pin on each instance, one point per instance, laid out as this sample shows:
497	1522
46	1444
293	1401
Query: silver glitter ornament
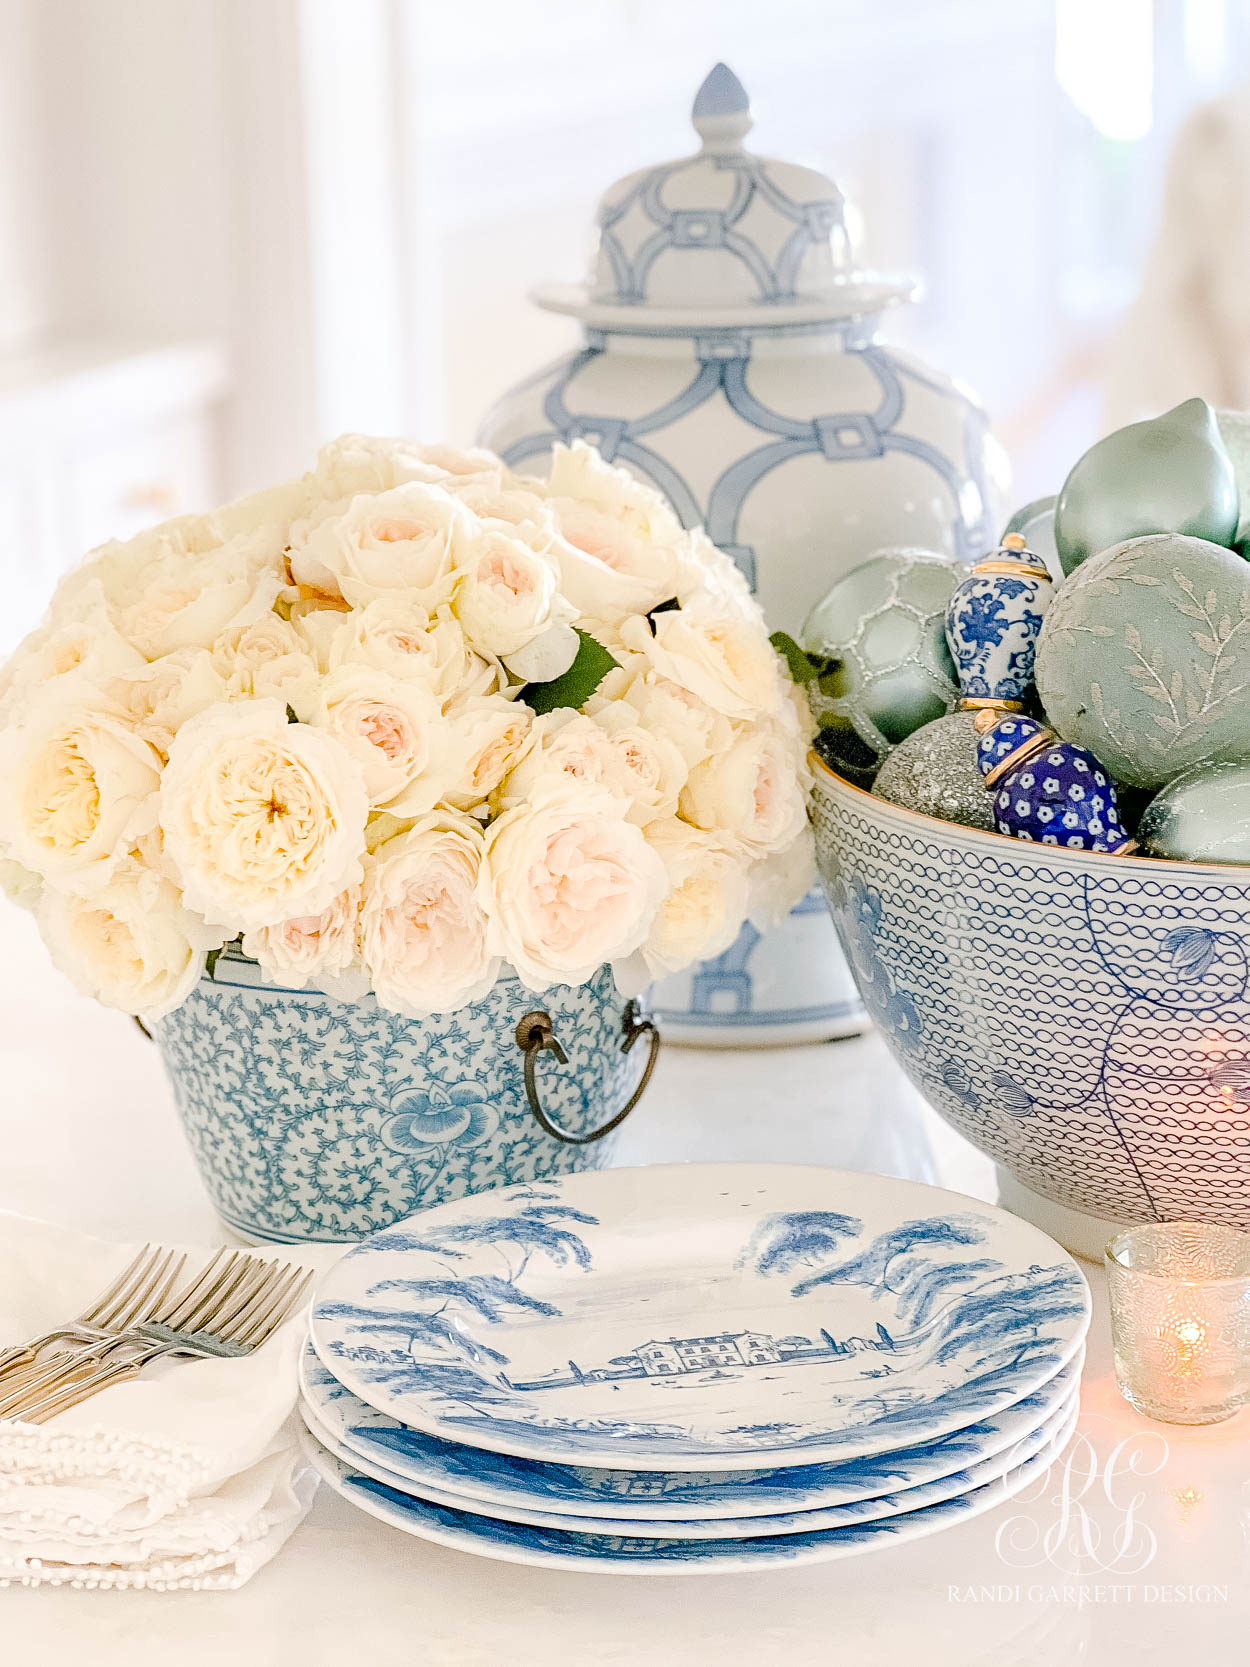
935	772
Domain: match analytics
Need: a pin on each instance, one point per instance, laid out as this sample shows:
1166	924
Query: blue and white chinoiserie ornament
993	623
1048	790
732	358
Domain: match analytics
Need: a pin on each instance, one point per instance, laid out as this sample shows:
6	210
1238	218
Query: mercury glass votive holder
1180	1319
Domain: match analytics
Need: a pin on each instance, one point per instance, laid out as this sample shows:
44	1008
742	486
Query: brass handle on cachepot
535	1032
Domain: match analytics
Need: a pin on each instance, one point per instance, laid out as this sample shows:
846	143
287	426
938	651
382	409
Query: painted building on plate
697	1354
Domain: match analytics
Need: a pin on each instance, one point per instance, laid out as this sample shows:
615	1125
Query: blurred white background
232	228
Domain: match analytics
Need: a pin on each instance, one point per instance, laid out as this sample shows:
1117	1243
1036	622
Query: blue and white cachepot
1082	1017
732	357
314	1119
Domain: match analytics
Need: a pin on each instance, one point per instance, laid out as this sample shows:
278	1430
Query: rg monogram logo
1097	1525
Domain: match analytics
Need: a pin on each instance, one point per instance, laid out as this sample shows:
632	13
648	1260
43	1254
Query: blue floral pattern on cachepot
314	1119
1082	1018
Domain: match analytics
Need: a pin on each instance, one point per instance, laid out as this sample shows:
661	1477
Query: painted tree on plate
799	1238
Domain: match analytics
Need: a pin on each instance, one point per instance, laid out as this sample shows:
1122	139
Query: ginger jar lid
723	238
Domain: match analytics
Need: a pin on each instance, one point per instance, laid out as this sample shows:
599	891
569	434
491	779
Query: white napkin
186	1477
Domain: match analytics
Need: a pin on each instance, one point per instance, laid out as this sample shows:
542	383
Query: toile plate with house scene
720	1528
503	1483
701	1317
615	1553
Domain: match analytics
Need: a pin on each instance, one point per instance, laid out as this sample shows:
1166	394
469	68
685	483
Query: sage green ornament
1035	523
935	771
1144	657
1202	816
1234	427
883	627
1169	475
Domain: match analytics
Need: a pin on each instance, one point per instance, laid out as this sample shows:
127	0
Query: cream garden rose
721	656
80	788
131	946
159	697
396	724
754	792
267	657
356	464
89	647
667	709
612	750
707	897
563	747
512	508
398	637
392	728
506	593
179	588
262	819
401	543
619	541
423	932
776	883
568	884
316	949
486	736
647	767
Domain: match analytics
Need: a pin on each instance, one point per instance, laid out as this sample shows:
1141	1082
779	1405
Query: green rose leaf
575	686
803	668
292	717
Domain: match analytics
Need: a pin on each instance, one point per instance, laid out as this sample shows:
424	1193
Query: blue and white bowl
313	1119
1082	1018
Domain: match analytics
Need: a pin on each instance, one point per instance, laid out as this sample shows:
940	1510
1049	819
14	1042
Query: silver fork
229	1311
69	1364
138	1291
223	1270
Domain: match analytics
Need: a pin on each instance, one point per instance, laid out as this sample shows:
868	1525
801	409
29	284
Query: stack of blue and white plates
700	1366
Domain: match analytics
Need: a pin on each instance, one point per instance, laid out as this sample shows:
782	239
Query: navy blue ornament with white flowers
1048	790
993	623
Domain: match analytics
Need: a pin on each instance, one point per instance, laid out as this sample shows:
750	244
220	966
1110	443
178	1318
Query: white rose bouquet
395	725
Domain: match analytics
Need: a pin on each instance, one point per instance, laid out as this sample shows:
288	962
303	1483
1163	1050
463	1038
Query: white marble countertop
88	1135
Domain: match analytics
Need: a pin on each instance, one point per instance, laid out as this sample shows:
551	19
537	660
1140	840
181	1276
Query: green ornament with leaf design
1144	657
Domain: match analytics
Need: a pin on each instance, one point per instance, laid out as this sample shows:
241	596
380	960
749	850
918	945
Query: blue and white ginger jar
732	358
